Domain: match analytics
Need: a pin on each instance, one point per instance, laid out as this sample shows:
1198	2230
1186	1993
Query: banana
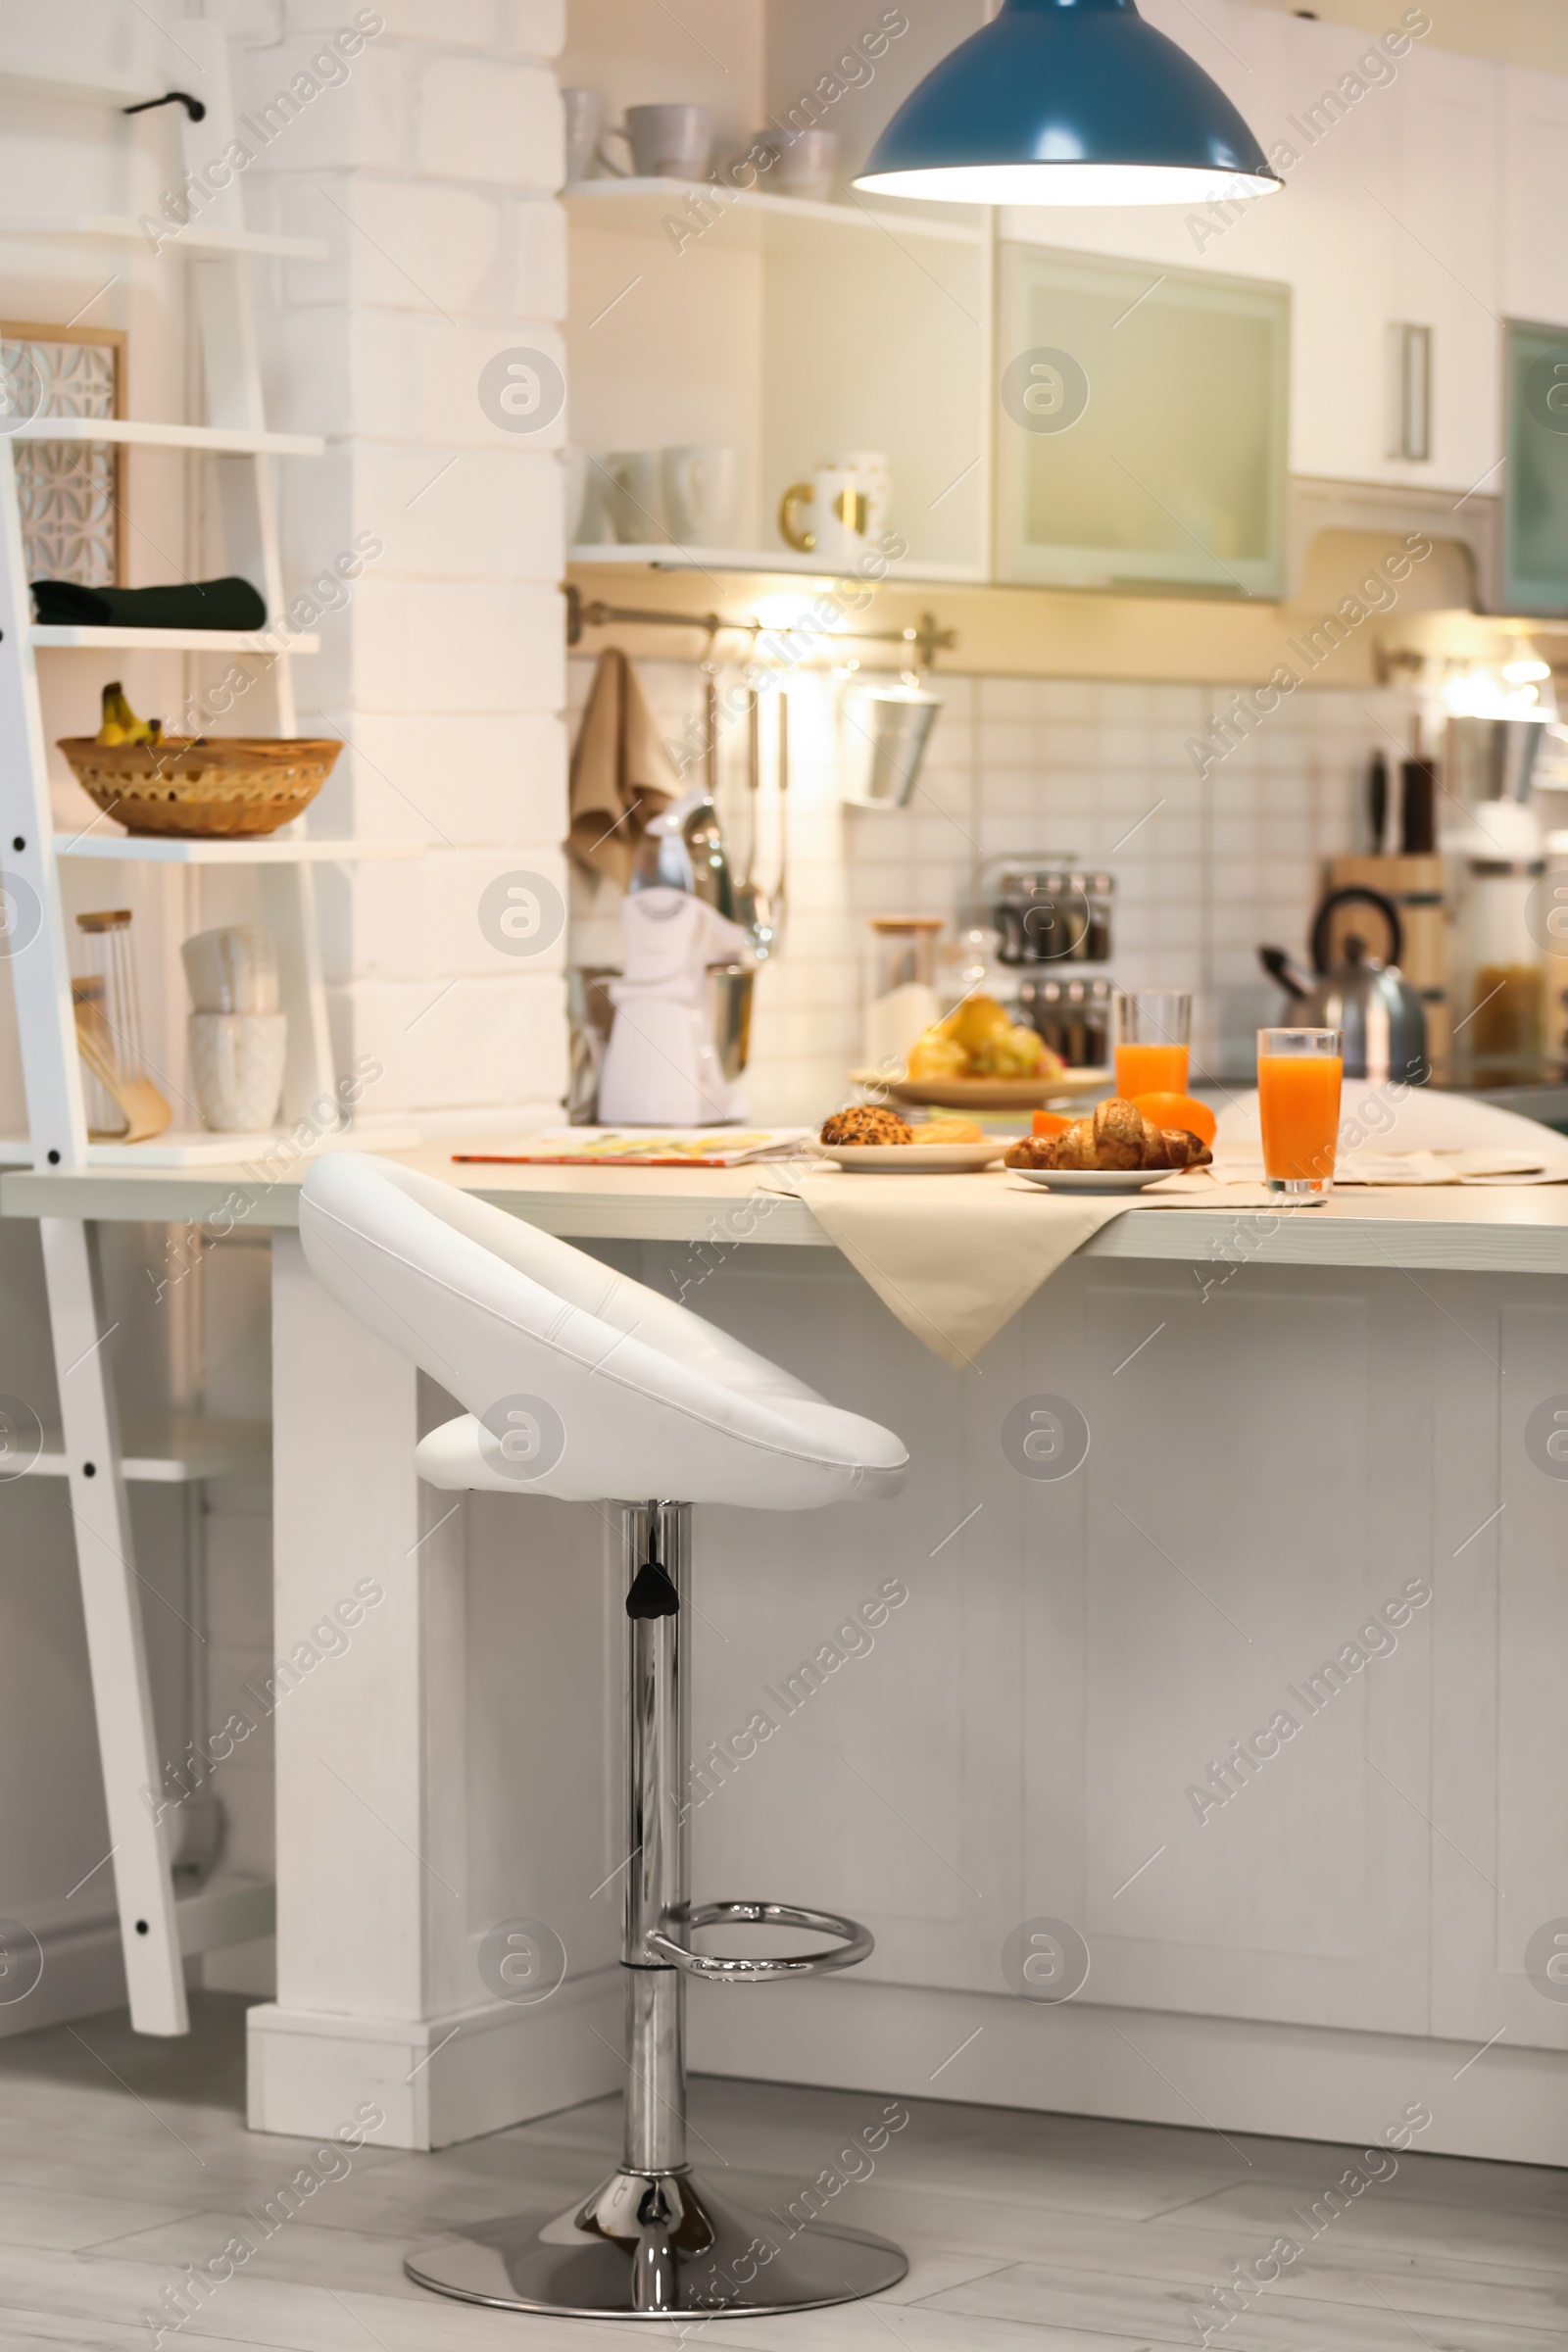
120	722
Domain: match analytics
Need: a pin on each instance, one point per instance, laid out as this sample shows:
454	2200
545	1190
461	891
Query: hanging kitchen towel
954	1256
621	774
229	604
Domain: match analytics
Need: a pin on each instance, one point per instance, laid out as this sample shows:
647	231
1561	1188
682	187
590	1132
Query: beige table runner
955	1257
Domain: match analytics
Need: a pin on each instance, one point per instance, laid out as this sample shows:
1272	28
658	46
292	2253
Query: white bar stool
583	1385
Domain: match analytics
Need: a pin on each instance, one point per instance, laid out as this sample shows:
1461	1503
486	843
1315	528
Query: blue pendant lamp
1068	102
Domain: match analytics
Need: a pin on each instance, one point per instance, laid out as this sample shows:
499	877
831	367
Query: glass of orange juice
1299	1075
1152	1029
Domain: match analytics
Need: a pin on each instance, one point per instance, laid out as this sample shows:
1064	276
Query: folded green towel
230	604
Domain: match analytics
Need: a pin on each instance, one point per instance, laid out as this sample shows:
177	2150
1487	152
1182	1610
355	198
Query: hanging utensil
782	786
709	669
752	906
695	815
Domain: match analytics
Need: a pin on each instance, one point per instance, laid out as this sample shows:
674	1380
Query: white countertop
1513	1229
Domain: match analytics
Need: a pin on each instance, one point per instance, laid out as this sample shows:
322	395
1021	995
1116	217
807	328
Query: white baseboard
504	2065
438	2079
1223	2074
83	1975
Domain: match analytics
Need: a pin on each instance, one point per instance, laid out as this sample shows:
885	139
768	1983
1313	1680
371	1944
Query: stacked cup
238	1036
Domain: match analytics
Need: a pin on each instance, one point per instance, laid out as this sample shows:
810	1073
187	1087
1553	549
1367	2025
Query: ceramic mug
806	166
629	491
236	1065
869	468
584	115
232	970
666	142
838	531
574	494
700	485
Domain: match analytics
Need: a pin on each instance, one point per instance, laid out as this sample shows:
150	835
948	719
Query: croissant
1123	1137
1116	1136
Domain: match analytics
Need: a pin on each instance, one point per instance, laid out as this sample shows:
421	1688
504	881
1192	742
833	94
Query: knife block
1415	884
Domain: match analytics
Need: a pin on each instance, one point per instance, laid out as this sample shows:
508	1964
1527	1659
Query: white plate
972	1096
1097	1180
914	1160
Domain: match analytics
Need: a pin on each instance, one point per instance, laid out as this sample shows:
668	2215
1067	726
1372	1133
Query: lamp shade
1068	102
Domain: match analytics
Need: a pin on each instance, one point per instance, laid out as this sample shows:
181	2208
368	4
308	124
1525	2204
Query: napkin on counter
1545	1162
621	774
954	1256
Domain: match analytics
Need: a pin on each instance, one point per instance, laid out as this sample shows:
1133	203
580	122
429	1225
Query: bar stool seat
649	1399
583	1385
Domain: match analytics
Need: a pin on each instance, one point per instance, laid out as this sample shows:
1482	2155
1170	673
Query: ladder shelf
161	1924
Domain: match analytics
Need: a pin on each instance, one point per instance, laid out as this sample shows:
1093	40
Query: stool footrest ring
856	1943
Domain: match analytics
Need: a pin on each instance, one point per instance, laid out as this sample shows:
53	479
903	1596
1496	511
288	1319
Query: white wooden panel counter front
1288	1429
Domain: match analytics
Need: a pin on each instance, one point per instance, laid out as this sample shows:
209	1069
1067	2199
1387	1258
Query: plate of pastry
871	1140
963	1095
1117	1148
980	1058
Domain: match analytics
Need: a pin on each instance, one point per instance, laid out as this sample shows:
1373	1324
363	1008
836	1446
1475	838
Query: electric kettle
1366	996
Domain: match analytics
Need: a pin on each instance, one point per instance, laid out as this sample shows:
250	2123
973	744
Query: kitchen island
1253	1706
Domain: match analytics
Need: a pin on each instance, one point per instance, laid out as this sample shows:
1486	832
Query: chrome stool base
653	2245
649	2243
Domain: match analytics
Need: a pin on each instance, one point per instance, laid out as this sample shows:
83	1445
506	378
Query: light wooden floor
122	2159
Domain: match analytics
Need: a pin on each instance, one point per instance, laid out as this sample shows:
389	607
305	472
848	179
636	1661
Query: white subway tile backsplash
1010	743
1005	699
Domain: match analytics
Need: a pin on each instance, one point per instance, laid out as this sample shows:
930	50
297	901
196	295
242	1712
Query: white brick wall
430	173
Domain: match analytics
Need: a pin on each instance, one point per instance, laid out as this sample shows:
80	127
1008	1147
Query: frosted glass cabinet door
1141	427
1535	538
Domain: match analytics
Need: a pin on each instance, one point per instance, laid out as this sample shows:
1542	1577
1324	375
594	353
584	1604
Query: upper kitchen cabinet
1534	289
789	331
1315	333
1533	254
1141	425
1535	499
1446	201
1388	158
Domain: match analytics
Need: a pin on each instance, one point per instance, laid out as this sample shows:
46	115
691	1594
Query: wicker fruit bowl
190	784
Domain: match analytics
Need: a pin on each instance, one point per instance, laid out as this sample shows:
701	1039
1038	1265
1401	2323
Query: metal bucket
883	734
1491	759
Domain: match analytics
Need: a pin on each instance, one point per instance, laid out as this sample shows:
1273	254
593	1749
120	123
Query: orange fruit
1050	1122
1179	1111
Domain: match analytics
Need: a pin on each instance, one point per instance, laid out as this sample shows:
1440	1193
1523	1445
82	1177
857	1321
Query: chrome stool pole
656	1547
649	2242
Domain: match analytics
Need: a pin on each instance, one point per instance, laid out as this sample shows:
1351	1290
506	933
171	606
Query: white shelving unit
51	77
793	332
762	221
158	1929
269	848
211	440
663	555
119	228
65	636
185	1451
